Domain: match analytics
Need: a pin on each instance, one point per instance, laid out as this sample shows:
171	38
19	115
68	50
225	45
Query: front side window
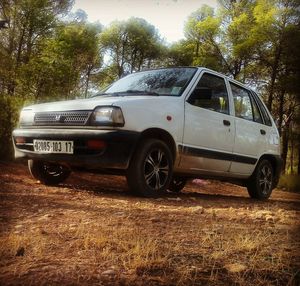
170	81
242	102
210	93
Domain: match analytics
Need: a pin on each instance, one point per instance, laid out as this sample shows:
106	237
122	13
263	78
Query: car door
208	137
251	132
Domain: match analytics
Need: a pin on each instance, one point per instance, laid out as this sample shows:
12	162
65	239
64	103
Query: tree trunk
133	60
274	76
298	171
197	48
124	45
87	81
285	145
292	151
280	111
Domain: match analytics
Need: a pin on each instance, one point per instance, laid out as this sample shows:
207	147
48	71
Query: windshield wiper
121	93
130	91
101	94
143	92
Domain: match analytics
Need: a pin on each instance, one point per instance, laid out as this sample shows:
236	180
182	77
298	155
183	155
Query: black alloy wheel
260	185
48	173
156	169
151	168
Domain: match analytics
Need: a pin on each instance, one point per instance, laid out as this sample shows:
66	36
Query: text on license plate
52	146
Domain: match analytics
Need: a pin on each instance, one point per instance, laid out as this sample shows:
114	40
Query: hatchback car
158	128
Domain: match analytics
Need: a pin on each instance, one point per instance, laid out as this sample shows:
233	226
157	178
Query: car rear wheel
151	168
48	173
177	184
260	185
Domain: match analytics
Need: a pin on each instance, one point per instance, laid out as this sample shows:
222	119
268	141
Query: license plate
52	146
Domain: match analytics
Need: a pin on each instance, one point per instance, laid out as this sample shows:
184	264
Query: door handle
226	122
262	132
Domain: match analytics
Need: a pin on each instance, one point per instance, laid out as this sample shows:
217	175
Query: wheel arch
276	163
161	134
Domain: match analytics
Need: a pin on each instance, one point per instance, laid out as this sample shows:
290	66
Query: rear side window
210	93
242	102
263	110
256	112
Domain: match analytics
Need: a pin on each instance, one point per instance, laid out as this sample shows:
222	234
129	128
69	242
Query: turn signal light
20	140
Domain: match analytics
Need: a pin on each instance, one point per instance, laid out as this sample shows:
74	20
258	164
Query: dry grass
94	233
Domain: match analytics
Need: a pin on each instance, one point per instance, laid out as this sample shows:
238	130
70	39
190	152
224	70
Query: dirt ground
92	231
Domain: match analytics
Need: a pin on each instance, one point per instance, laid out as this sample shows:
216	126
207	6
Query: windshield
169	82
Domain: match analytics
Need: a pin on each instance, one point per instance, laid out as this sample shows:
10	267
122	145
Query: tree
181	53
30	21
42	57
64	65
131	45
201	31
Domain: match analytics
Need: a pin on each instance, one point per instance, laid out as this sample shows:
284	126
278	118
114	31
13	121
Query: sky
168	16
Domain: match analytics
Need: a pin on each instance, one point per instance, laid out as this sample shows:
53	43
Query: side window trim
249	95
254	101
204	72
262	109
230	98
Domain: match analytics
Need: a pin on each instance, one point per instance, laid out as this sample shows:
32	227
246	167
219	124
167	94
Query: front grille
62	118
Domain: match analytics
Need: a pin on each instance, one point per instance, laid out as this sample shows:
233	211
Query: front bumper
116	154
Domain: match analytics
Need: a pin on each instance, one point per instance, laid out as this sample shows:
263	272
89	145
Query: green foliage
31	21
202	31
181	53
10	107
132	45
63	63
43	58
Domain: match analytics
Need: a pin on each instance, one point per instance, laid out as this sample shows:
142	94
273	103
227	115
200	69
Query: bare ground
92	231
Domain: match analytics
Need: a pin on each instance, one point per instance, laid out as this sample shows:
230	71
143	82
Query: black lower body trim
119	148
198	152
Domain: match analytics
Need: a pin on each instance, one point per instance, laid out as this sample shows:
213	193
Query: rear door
208	128
251	132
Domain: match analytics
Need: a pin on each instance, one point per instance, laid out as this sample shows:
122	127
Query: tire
261	183
48	173
151	168
177	184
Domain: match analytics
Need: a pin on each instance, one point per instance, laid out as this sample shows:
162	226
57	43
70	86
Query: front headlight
107	116
26	117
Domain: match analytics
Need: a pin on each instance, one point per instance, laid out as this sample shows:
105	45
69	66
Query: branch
220	53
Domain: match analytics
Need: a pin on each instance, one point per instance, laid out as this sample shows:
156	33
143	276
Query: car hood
86	104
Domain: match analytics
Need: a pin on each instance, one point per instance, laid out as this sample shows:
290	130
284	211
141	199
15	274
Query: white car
159	128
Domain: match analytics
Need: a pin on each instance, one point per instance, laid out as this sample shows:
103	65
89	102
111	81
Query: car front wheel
260	185
48	173
151	168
